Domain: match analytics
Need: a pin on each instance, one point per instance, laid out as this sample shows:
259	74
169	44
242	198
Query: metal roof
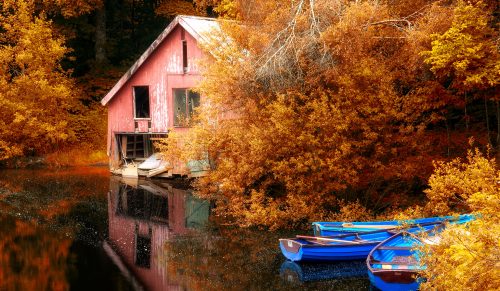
198	27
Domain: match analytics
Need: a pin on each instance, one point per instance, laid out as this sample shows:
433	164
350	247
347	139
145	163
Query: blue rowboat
337	228
353	246
309	272
301	249
394	264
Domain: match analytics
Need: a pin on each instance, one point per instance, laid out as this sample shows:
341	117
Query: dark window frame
176	122
184	52
185	65
135	103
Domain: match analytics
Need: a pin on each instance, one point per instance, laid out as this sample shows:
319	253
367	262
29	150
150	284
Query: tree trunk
498	124
447	134
466	115
132	21
487	119
100	36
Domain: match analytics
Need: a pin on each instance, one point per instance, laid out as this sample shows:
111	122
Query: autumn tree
222	8
466	59
307	99
36	91
453	183
467	256
41	105
467	52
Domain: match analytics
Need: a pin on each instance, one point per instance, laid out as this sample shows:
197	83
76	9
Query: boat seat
360	240
390	263
404	260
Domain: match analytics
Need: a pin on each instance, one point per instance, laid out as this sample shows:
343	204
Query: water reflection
80	229
30	258
143	216
51	227
309	272
161	238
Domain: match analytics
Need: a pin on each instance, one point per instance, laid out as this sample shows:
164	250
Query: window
143	251
185	101
184	52
184	56
141	101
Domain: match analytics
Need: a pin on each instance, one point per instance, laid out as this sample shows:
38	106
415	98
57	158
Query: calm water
82	229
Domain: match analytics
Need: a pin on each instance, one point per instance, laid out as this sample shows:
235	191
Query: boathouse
155	96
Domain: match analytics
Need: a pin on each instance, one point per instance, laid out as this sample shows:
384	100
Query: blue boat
394	264
353	246
337	228
309	272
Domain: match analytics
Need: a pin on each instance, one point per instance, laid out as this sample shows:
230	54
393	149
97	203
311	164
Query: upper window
141	101
184	56
184	52
185	101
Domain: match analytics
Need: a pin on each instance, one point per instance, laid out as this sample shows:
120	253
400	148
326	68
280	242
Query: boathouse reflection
143	215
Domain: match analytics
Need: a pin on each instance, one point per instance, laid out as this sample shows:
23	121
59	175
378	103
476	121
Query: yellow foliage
37	94
467	257
455	182
224	8
467	51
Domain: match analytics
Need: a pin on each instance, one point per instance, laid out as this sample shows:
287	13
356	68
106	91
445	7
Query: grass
76	156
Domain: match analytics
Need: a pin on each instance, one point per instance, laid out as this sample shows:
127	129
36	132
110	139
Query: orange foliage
176	7
305	99
80	155
40	112
71	8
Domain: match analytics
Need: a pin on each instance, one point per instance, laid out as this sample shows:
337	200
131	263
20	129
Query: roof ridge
197	17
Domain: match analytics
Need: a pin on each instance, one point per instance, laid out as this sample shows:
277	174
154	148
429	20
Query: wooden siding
162	71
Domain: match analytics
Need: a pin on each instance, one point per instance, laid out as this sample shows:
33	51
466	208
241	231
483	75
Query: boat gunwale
378	272
341	245
439	219
316	245
398	228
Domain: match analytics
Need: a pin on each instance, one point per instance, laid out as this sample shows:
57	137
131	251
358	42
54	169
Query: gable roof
198	27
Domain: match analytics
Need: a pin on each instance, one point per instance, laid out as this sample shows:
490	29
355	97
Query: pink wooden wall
162	72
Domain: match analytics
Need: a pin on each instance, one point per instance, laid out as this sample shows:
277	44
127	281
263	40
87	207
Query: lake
83	229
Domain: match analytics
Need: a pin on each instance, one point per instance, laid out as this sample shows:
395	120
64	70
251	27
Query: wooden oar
392	228
327	239
388	226
378	226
